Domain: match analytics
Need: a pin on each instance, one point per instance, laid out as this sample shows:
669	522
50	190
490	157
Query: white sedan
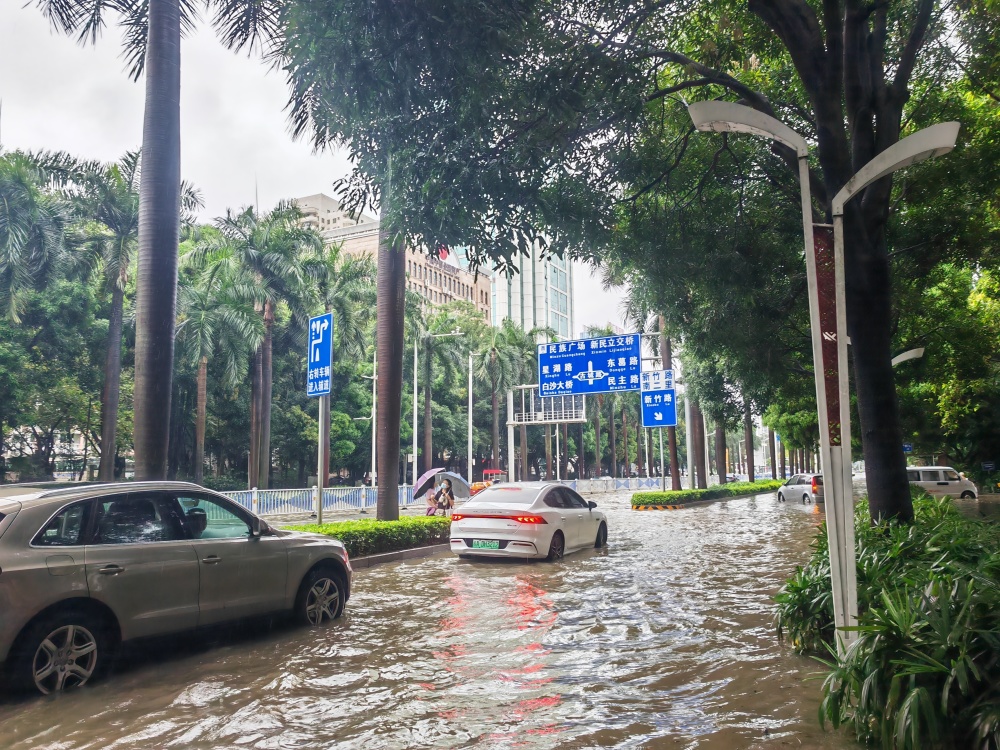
526	520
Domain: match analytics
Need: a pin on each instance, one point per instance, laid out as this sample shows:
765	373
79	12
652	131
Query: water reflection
665	639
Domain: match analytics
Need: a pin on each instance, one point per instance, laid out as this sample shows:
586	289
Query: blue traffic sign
659	403
989	466
602	365
320	357
907	447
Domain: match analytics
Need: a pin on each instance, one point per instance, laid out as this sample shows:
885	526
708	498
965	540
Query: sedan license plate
485	544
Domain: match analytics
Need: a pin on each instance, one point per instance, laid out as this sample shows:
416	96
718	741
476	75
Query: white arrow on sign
658	416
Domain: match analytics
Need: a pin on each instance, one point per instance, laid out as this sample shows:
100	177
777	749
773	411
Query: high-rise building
540	295
438	279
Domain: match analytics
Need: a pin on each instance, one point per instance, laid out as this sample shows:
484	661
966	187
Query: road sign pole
324	442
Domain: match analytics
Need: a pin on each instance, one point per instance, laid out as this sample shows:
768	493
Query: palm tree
438	345
277	257
593	332
152	46
107	197
216	316
499	365
32	227
345	287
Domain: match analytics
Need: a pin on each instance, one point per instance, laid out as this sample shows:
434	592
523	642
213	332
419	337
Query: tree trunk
748	436
581	465
770	448
699	446
253	460
614	446
668	363
720	450
199	423
524	452
266	380
628	465
496	430
112	387
782	459
640	454
548	452
428	433
391	289
159	232
564	451
598	462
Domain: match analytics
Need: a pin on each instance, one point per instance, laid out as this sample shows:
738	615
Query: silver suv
809	487
85	568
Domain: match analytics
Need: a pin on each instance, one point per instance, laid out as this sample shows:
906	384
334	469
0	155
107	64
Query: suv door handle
211	560
111	570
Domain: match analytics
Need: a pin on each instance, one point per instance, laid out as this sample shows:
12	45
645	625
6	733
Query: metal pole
374	416
663	471
416	345
558	478
324	439
470	419
510	436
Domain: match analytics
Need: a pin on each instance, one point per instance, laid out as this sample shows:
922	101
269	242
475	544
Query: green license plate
485	544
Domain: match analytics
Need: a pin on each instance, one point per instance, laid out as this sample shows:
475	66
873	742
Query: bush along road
925	670
673	498
370	537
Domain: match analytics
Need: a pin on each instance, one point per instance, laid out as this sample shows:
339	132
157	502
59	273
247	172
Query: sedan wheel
320	598
781	498
602	536
968	496
557	547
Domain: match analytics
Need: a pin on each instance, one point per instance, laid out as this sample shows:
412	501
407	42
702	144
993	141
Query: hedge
731	489
370	537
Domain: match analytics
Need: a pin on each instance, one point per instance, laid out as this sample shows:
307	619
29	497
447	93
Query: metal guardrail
299	501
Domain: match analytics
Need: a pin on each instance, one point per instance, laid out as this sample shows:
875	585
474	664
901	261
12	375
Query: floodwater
663	640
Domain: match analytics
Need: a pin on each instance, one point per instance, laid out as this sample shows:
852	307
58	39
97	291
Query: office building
540	295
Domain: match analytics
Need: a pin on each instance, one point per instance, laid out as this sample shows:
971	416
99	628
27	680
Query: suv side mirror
591	504
256	527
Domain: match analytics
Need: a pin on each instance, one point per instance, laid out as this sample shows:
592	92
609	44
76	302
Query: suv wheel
60	652
321	597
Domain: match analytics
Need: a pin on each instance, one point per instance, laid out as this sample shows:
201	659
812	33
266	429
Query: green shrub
370	537
925	670
679	497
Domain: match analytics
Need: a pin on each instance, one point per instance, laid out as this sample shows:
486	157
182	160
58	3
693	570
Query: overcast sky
58	95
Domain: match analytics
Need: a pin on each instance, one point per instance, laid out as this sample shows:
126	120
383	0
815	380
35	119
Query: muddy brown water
663	640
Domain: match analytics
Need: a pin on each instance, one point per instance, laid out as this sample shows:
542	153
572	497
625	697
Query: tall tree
152	47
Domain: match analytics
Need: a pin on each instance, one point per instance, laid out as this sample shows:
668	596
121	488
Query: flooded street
663	640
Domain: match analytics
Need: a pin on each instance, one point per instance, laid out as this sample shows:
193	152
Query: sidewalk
335	516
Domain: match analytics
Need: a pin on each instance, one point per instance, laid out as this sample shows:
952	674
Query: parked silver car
85	568
808	487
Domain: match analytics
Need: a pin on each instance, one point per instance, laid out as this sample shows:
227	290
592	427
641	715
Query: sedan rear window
506	495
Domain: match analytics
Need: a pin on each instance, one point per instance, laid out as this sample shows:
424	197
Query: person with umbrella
445	498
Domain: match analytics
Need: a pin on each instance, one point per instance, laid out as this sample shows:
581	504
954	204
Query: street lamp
374	378
908	355
828	319
416	347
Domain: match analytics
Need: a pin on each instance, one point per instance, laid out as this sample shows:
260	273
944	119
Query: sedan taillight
526	518
815	485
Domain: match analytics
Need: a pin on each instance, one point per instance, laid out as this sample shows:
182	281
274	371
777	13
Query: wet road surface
663	640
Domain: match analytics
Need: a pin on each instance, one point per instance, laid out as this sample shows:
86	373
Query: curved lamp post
828	320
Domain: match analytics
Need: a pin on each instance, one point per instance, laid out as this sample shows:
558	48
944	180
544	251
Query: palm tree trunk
266	381
699	446
581	472
770	448
199	424
668	363
159	231
565	451
428	433
748	436
720	450
548	452
112	386
253	458
628	464
614	446
391	289
524	453
496	430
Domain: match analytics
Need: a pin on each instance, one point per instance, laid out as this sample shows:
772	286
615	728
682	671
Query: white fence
298	502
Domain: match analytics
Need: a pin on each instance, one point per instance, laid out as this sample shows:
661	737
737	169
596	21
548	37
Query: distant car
808	487
942	480
529	520
87	567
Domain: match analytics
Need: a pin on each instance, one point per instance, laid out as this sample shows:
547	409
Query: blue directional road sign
320	355
602	365
659	406
907	447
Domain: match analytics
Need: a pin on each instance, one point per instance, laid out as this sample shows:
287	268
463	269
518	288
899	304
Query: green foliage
731	489
925	670
370	537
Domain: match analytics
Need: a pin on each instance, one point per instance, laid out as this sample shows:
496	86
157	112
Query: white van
942	480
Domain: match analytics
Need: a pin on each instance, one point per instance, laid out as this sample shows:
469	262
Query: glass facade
539	296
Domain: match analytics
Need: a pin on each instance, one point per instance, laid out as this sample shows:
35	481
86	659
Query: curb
370	561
